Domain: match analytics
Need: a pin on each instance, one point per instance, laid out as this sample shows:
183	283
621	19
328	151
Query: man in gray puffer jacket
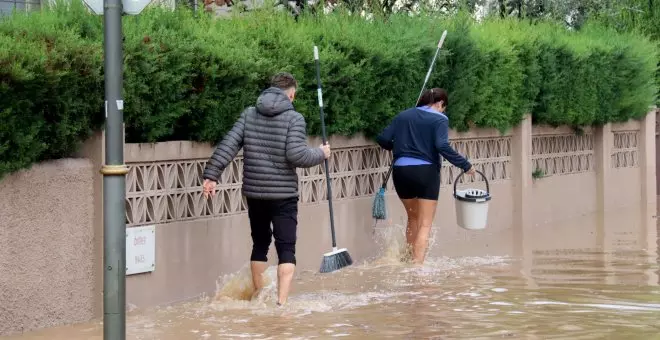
274	143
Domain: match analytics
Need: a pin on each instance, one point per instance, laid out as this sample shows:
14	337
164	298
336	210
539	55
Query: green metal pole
114	179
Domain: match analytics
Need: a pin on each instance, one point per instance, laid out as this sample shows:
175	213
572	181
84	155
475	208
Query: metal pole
114	179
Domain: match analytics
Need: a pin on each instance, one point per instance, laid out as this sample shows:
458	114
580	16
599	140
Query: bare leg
285	273
412	225
258	268
426	215
285	226
260	220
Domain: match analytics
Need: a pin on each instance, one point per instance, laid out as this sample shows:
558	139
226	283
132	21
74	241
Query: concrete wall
46	262
51	216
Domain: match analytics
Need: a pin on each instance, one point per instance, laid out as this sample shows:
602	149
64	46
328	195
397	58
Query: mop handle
426	79
387	177
428	73
323	135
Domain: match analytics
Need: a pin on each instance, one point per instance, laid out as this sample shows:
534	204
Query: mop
379	210
337	258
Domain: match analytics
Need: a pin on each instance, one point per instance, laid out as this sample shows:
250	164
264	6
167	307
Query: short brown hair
433	96
284	81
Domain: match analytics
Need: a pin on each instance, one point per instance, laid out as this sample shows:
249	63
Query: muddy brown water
562	285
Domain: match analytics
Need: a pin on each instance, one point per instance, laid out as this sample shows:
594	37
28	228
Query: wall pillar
647	161
521	175
657	150
603	144
647	165
521	181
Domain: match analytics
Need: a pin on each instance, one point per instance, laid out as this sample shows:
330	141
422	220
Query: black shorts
283	215
417	181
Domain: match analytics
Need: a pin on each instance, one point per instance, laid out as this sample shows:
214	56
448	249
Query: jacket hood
273	102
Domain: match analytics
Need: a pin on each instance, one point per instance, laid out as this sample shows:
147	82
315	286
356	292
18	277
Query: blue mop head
379	211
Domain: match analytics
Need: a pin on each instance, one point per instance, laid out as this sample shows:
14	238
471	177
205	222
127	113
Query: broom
337	258
378	209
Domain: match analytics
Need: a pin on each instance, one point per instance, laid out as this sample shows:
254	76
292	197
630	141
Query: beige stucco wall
51	215
46	262
564	197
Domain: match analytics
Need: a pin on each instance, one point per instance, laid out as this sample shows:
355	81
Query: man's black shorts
283	215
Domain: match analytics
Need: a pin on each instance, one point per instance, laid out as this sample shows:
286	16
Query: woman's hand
471	172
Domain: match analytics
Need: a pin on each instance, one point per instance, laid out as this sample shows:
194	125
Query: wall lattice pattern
563	154
492	156
160	192
625	151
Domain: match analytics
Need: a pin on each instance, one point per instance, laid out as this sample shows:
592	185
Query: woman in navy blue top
418	137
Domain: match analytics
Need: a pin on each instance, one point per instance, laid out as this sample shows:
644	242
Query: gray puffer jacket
274	143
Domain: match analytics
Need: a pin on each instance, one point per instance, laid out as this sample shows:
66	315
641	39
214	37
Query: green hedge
188	78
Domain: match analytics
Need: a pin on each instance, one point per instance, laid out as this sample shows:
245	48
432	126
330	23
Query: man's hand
471	172
209	188
326	150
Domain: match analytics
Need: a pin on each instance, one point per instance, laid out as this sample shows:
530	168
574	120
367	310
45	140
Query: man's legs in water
257	268
285	224
259	212
285	273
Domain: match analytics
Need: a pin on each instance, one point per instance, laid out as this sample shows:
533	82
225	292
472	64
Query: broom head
335	260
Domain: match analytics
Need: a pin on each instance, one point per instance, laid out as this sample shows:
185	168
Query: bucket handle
477	171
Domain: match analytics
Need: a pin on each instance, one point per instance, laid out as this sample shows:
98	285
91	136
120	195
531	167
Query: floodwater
589	278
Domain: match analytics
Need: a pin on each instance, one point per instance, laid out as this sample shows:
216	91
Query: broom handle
426	79
324	136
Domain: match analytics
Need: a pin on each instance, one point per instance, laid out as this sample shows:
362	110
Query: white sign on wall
140	249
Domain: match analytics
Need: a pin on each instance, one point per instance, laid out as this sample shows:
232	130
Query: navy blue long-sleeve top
421	133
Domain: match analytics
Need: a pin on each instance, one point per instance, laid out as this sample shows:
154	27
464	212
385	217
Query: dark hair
432	96
284	81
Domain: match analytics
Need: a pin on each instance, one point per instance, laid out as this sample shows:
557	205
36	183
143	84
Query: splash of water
236	290
391	239
239	286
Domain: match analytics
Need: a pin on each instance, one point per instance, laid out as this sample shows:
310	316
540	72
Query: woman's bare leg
426	213
412	225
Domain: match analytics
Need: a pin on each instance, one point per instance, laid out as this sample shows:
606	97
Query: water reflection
595	277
